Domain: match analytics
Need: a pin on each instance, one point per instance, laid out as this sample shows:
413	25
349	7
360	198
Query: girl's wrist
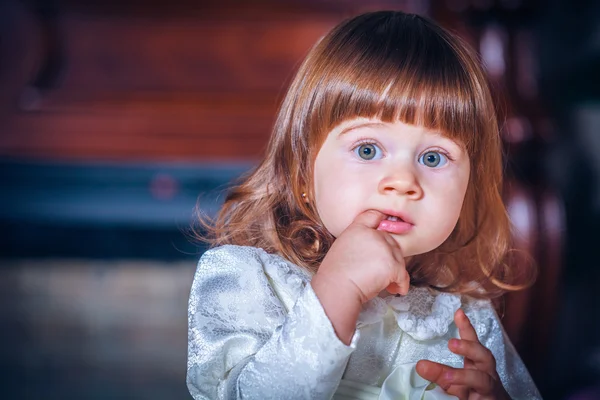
340	302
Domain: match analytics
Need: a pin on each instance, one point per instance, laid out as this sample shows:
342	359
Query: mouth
396	223
397	217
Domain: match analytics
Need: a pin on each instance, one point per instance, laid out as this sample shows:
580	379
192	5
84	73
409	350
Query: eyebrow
367	124
357	125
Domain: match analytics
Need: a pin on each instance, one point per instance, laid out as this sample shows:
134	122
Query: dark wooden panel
185	54
161	80
143	129
163	89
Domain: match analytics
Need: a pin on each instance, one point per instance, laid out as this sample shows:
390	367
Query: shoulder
249	259
230	284
228	269
244	270
231	255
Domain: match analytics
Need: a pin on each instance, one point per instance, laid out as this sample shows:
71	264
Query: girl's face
414	175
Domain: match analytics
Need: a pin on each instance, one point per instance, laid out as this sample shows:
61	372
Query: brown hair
391	66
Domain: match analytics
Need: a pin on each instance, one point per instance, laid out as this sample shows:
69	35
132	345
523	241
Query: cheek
334	206
338	200
454	206
448	208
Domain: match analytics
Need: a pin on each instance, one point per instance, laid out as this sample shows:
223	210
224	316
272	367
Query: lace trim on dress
421	314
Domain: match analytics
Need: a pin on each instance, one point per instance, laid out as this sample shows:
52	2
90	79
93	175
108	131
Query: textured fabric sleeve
242	343
510	367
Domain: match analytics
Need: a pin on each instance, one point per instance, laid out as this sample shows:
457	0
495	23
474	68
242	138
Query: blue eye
433	159
368	151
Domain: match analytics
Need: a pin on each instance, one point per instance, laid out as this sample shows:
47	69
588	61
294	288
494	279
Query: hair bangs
420	80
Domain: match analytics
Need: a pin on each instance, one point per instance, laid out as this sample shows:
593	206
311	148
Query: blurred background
118	119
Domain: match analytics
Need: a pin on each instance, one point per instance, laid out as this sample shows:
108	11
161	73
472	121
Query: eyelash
360	142
438	150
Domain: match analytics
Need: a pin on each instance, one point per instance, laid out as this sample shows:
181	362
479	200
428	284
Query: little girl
359	259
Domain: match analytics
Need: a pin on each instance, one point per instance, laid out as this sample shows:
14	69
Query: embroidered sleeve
243	342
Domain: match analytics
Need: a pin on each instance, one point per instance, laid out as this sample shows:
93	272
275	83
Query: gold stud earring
304	197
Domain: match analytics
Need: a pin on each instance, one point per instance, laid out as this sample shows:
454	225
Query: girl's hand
359	265
478	379
366	259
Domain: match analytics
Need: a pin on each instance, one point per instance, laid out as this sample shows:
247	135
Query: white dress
258	331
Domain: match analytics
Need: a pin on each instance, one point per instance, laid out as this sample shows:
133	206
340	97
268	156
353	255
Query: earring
304	197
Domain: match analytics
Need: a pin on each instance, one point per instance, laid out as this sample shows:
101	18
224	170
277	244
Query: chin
410	251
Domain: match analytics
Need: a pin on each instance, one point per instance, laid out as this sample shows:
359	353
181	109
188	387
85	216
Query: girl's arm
258	335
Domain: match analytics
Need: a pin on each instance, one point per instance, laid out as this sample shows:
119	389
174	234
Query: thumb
429	370
369	218
435	372
402	285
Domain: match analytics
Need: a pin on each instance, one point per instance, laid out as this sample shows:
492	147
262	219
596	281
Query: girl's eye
368	151
433	159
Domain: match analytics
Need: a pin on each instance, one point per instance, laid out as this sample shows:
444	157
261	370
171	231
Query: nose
405	183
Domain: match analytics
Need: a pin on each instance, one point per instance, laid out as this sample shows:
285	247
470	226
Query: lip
404	224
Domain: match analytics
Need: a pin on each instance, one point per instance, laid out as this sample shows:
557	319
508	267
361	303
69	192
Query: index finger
466	332
369	218
465	328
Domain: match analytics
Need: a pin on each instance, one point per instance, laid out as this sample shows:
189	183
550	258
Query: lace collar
421	314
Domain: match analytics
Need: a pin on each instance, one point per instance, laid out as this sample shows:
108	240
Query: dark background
120	120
